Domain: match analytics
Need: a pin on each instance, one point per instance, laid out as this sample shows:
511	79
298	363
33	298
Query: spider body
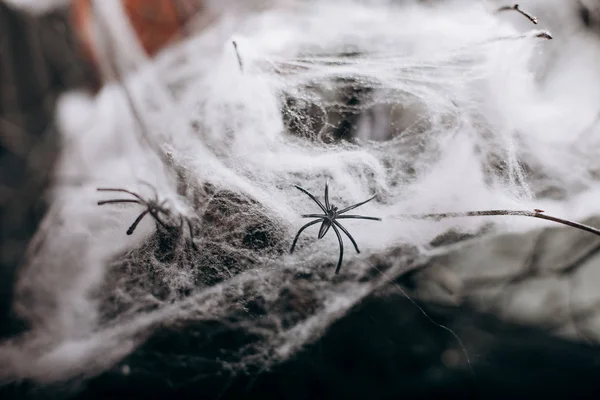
329	220
329	217
153	206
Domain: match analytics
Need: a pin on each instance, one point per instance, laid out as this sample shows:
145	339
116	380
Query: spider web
419	105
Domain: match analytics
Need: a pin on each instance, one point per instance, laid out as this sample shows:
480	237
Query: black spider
329	220
153	207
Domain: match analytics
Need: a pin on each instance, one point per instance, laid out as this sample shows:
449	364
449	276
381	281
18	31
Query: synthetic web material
431	108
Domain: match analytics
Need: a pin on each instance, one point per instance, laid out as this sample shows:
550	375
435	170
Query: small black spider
329	217
153	207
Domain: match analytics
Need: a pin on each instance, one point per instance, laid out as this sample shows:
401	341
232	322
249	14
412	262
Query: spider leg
140	198
347	234
183	219
356	205
161	207
103	202
191	228
339	264
136	222
154	191
358	217
314	216
154	214
312	197
327	194
300	231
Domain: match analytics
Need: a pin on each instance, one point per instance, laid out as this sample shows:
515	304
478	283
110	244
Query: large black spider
153	207
331	214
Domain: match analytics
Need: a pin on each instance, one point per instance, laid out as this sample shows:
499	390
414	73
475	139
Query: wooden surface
156	22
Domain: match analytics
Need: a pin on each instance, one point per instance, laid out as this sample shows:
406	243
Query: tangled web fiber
432	108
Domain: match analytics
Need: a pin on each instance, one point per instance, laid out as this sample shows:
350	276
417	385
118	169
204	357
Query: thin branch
543	35
515	7
533	214
239	57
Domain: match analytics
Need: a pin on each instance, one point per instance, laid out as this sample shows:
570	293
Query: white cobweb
432	108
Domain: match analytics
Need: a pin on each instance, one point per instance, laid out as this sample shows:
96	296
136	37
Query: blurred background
522	303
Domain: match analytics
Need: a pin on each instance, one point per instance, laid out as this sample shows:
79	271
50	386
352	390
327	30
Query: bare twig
543	35
536	213
515	7
239	57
